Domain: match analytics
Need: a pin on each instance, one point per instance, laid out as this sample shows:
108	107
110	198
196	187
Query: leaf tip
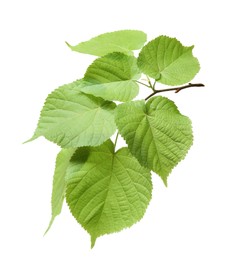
70	46
93	241
165	181
45	233
30	139
49	226
25	142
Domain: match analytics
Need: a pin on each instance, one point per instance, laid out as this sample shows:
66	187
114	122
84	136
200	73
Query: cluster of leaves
108	190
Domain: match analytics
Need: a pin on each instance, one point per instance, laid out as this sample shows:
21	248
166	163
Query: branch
177	89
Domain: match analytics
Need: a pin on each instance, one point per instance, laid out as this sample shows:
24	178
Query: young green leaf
112	77
156	133
109	191
58	190
167	61
120	41
71	118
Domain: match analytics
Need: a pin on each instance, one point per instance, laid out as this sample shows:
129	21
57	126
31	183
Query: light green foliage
71	118
59	184
112	77
120	41
109	191
156	133
167	61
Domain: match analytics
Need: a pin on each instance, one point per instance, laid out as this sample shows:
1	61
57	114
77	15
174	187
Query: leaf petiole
150	84
142	83
117	135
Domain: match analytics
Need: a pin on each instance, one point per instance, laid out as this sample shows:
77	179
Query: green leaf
106	190
167	61
156	133
120	41
59	185
112	77
71	118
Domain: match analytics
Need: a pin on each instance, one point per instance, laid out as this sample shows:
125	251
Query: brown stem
176	89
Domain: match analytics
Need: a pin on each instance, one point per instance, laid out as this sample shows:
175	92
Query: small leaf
106	190
120	41
58	190
71	118
156	133
112	77
167	61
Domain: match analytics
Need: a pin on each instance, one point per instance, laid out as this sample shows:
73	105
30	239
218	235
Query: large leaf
156	133
120	41
59	184
166	60
112	77
71	118
106	190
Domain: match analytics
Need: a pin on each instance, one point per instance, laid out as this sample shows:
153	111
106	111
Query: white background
187	220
